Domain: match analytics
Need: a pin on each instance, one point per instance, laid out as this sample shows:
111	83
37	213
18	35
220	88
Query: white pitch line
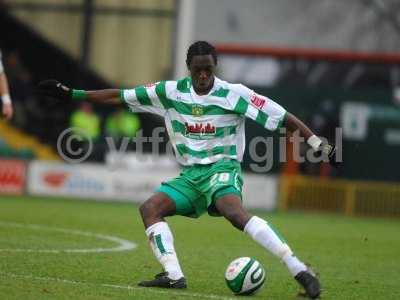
123	245
121	287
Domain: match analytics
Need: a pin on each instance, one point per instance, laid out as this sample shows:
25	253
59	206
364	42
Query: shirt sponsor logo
200	129
257	101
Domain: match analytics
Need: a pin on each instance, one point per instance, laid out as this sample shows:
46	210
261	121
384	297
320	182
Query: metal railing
349	197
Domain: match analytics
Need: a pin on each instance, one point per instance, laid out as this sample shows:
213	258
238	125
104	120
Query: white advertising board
59	179
95	181
260	191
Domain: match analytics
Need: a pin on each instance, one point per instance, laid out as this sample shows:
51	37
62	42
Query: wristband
121	95
314	142
79	94
6	99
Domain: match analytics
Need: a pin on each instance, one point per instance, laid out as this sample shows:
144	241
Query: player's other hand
7	111
329	151
54	88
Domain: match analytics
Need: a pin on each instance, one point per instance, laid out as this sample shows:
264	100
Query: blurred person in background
120	124
7	108
86	126
85	122
205	118
27	109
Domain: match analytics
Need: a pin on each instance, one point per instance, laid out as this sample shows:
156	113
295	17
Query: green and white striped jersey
204	129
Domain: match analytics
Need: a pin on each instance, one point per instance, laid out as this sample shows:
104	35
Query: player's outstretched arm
54	88
292	123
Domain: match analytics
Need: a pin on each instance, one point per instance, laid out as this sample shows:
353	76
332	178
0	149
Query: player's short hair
200	48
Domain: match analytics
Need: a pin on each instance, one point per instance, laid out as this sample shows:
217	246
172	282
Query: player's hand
329	151
54	88
7	111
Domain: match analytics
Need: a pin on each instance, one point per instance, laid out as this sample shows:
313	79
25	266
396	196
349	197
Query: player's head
201	60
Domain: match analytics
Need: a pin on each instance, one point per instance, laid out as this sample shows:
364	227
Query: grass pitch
357	258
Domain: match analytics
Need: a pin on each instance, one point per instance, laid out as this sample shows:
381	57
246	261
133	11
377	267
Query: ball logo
257	274
257	101
244	276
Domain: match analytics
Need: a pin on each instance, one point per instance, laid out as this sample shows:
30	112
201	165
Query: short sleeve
257	107
146	98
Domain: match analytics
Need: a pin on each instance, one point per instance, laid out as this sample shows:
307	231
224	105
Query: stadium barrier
353	198
12	176
136	184
92	181
260	191
99	182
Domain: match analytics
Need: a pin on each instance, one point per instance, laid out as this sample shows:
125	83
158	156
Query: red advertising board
12	176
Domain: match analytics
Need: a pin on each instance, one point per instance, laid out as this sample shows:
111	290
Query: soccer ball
244	276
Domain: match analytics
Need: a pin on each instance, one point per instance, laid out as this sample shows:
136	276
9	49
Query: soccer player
7	108
204	116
